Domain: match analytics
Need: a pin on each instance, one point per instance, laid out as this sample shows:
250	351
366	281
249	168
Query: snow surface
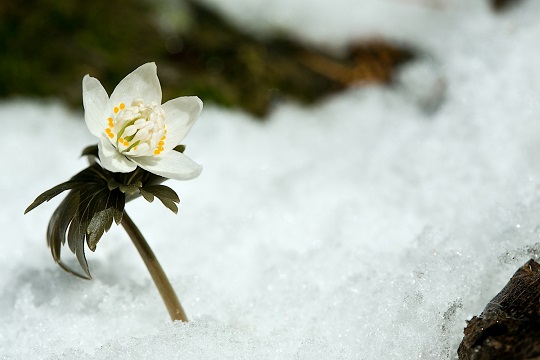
369	226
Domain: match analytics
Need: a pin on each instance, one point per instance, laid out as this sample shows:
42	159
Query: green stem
160	279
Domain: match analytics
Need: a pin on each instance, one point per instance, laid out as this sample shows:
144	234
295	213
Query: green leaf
180	148
131	188
112	184
162	191
101	222
101	209
165	194
64	216
85	214
147	195
51	193
91	150
76	236
169	205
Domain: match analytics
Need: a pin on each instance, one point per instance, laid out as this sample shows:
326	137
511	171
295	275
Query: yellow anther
108	131
161	143
121	140
116	110
122	106
111	135
160	148
134	148
156	152
163	138
165	131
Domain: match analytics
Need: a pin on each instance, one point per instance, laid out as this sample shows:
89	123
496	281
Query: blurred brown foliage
500	5
47	46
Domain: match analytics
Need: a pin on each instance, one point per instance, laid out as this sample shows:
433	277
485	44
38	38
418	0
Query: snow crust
369	226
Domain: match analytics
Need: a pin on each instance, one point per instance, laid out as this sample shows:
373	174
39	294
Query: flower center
139	129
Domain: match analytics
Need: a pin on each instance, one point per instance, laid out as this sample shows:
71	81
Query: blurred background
47	46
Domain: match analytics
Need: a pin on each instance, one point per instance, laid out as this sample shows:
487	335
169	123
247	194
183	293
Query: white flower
135	129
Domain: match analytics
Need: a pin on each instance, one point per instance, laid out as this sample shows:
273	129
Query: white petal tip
173	165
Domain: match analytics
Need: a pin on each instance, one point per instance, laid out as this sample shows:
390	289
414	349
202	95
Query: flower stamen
138	124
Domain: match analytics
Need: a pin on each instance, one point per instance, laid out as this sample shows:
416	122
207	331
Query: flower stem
160	279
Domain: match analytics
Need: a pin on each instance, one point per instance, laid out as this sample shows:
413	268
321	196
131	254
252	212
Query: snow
369	226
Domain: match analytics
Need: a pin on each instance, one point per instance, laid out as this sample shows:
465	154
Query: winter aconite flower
135	129
138	148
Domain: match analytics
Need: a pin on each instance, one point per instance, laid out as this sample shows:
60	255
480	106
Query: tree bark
509	326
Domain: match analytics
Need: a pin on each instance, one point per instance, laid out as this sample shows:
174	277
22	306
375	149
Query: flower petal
172	165
111	159
181	113
141	83
95	102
